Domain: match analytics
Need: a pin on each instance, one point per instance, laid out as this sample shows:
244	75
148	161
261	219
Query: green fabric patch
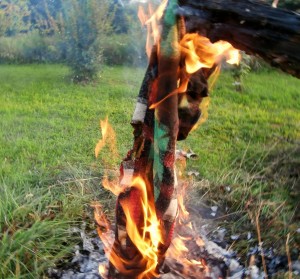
161	141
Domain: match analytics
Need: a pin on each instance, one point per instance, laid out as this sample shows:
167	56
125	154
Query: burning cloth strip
148	171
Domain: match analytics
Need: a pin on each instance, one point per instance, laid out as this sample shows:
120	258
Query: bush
85	25
124	49
31	48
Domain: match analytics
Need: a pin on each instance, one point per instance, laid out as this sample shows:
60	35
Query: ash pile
194	254
85	259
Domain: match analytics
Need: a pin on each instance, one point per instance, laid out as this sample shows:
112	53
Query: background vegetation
248	149
81	34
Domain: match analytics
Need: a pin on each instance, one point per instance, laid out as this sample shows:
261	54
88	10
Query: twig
287	249
229	214
259	240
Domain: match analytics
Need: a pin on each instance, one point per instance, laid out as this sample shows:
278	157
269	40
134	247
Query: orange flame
148	241
113	185
151	20
183	213
109	182
202	53
199	53
108	136
147	238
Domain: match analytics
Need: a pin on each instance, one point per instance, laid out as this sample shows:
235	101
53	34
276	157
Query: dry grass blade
287	248
257	214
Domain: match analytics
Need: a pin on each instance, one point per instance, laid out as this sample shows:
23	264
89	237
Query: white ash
85	261
87	256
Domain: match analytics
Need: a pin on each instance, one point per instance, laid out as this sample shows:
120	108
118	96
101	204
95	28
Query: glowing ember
102	270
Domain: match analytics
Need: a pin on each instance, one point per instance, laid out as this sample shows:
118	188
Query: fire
108	136
102	270
112	185
104	228
146	235
150	19
146	238
149	238
202	53
183	213
109	139
199	52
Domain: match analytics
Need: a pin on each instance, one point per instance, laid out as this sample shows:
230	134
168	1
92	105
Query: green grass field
49	175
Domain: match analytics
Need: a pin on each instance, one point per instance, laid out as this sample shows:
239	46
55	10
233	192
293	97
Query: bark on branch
252	26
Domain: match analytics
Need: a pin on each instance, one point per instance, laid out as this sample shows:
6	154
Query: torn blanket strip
156	169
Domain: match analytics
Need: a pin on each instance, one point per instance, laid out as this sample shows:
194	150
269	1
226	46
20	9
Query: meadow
49	175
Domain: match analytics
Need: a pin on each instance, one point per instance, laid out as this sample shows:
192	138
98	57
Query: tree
46	16
14	17
85	25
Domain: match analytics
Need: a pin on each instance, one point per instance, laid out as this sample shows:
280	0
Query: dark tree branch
252	26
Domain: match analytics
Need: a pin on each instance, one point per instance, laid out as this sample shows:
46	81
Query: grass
49	176
251	143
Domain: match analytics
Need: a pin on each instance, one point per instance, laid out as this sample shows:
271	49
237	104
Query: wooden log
251	26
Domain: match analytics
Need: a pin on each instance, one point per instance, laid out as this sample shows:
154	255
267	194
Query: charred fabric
162	116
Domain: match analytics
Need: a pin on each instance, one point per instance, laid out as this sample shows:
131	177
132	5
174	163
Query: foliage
126	46
123	49
31	48
240	71
85	25
14	16
46	16
83	34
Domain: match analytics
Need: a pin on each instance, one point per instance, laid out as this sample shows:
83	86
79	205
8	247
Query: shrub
124	49
85	25
31	48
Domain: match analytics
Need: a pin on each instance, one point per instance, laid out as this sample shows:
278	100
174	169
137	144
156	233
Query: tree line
81	33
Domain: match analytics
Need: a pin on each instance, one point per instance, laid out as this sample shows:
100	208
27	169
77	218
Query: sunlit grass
48	174
250	143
